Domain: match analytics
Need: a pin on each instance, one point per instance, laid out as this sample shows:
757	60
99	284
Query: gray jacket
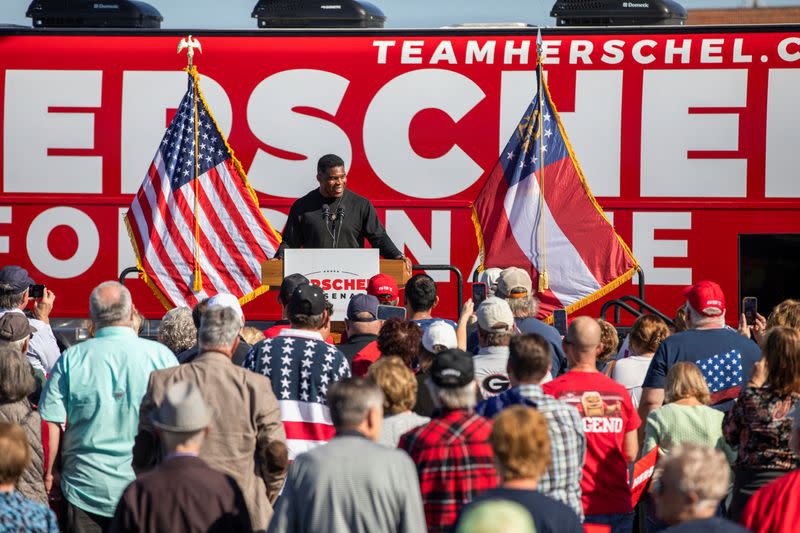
350	484
246	441
31	484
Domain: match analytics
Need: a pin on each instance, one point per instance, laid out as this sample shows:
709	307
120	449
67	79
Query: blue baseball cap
14	279
362	303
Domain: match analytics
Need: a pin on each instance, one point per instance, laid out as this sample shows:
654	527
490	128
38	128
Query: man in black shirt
334	217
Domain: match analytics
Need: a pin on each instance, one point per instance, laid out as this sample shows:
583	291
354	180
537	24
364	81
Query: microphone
340	216
326	211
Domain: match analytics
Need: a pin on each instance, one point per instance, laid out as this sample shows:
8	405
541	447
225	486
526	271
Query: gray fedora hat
183	409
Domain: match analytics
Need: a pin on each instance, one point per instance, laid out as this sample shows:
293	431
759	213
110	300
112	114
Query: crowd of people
492	423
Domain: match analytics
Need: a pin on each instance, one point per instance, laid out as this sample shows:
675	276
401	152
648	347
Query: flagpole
542	266
197	286
192	44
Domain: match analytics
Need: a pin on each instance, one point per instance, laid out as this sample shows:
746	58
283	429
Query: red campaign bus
687	135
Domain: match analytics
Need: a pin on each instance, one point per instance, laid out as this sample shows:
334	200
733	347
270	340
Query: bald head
110	305
583	339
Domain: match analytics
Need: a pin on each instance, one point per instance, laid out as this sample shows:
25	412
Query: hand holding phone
750	309
385	312
560	321
35	291
478	293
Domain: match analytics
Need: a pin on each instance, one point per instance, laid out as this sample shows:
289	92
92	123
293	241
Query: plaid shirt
562	481
454	462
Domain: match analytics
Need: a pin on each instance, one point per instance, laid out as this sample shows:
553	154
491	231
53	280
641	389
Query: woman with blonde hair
646	335
399	388
760	423
609	338
686	416
684	419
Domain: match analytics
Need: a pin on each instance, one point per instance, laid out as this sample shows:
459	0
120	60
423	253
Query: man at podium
334	217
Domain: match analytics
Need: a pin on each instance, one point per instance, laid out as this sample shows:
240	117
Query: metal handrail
641	282
644	305
617	305
459	279
127	272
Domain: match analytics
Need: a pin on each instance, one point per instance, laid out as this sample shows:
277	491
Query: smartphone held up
750	309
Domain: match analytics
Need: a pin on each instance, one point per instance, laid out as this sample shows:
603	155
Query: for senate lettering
341	284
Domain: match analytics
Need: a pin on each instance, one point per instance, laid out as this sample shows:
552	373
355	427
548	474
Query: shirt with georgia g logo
490	370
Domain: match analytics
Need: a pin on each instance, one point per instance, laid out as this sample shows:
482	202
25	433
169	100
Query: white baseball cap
224	299
494	315
439	333
490	277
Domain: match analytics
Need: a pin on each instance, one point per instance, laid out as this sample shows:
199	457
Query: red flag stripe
136	233
214	257
182	239
567	201
220	279
222	242
154	249
242	215
181	215
235	228
180	231
162	246
308	431
272	241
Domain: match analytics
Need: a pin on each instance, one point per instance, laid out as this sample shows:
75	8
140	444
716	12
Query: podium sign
341	272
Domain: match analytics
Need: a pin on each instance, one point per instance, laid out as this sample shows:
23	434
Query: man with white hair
694	479
775	508
96	388
724	357
352	483
246	440
454	459
222	299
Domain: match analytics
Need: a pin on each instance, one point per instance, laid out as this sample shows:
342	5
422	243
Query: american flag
181	226
723	373
301	368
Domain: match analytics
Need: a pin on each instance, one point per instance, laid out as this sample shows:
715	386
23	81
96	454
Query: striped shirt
562	481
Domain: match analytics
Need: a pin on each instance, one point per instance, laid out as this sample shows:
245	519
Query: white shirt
630	373
490	370
43	349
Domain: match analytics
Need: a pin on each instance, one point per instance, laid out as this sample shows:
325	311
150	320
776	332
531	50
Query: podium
272	272
340	272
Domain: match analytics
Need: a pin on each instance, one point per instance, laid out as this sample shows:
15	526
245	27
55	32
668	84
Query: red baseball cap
382	285
706	297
